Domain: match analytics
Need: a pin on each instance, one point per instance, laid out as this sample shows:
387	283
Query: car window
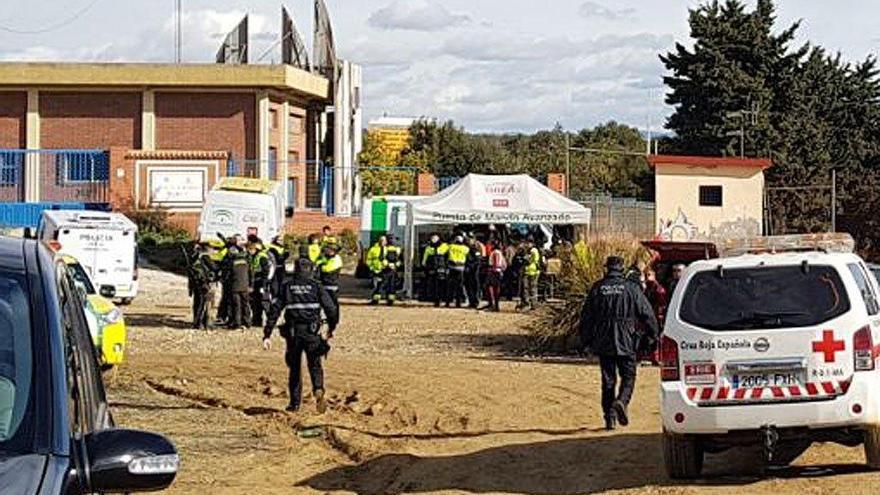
865	289
82	358
80	277
16	355
764	297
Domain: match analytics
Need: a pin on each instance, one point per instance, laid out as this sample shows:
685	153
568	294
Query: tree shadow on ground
574	465
154	320
513	347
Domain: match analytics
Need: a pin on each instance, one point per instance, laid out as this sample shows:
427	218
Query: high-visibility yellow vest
458	254
314	252
330	265
374	258
533	267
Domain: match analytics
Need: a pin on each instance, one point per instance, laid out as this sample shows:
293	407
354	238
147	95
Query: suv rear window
764	297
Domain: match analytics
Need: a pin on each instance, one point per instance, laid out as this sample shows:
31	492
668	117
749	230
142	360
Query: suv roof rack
798	243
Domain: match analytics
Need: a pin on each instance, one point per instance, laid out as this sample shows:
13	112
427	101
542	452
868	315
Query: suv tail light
668	359
863	349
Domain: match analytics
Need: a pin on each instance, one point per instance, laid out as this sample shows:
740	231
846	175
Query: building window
75	167
273	118
297	124
10	168
273	163
711	196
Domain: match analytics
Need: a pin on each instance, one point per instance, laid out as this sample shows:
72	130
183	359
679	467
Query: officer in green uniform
531	273
262	272
202	275
390	265
327	238
458	255
375	262
329	266
434	264
314	248
279	255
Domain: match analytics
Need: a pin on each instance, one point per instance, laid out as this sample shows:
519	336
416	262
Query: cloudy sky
491	65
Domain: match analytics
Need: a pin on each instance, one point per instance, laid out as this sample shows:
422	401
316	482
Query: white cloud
597	10
416	15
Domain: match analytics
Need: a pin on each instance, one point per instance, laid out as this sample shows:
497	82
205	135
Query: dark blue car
57	434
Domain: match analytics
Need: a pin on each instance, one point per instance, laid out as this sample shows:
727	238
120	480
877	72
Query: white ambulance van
104	243
243	206
774	344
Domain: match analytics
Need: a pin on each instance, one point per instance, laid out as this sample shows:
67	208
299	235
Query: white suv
771	349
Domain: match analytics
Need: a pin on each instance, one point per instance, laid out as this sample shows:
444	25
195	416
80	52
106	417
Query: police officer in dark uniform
302	298
608	327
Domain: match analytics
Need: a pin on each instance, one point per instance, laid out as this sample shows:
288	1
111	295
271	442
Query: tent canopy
481	199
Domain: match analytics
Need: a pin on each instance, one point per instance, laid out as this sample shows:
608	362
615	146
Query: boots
320	401
610	421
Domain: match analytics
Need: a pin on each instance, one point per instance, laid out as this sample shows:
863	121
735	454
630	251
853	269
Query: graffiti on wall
681	229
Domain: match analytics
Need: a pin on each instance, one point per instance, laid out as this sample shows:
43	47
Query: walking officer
329	266
608	326
458	254
530	275
302	299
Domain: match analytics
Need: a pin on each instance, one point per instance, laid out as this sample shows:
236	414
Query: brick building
107	133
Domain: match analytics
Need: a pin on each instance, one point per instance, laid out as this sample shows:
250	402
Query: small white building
708	198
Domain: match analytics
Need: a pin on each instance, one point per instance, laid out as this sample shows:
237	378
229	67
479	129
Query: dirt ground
422	400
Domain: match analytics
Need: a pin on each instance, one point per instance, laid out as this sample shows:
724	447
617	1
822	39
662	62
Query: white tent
484	199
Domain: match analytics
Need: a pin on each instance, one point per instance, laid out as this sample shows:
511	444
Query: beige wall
680	217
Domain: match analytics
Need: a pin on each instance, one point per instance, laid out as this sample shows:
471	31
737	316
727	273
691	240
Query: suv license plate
770	379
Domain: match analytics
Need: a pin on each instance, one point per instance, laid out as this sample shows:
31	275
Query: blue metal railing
63	175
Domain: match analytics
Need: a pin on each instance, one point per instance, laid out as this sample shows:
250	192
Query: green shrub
556	327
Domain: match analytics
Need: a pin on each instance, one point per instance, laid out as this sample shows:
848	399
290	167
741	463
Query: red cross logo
828	346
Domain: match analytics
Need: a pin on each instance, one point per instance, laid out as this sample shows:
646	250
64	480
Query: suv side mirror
288	212
122	461
108	291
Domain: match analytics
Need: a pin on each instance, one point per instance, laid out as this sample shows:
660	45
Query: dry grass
556	328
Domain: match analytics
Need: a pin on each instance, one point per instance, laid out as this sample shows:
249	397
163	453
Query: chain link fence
616	215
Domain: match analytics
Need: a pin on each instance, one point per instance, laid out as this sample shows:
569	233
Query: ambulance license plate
769	379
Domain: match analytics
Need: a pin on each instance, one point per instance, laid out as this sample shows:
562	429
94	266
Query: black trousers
301	342
239	310
455	287
257	305
612	368
199	306
473	286
436	284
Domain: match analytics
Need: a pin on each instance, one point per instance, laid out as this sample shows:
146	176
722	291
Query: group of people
467	270
255	282
250	274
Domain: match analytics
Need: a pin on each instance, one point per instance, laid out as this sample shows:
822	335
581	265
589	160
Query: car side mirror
108	291
288	212
122	461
